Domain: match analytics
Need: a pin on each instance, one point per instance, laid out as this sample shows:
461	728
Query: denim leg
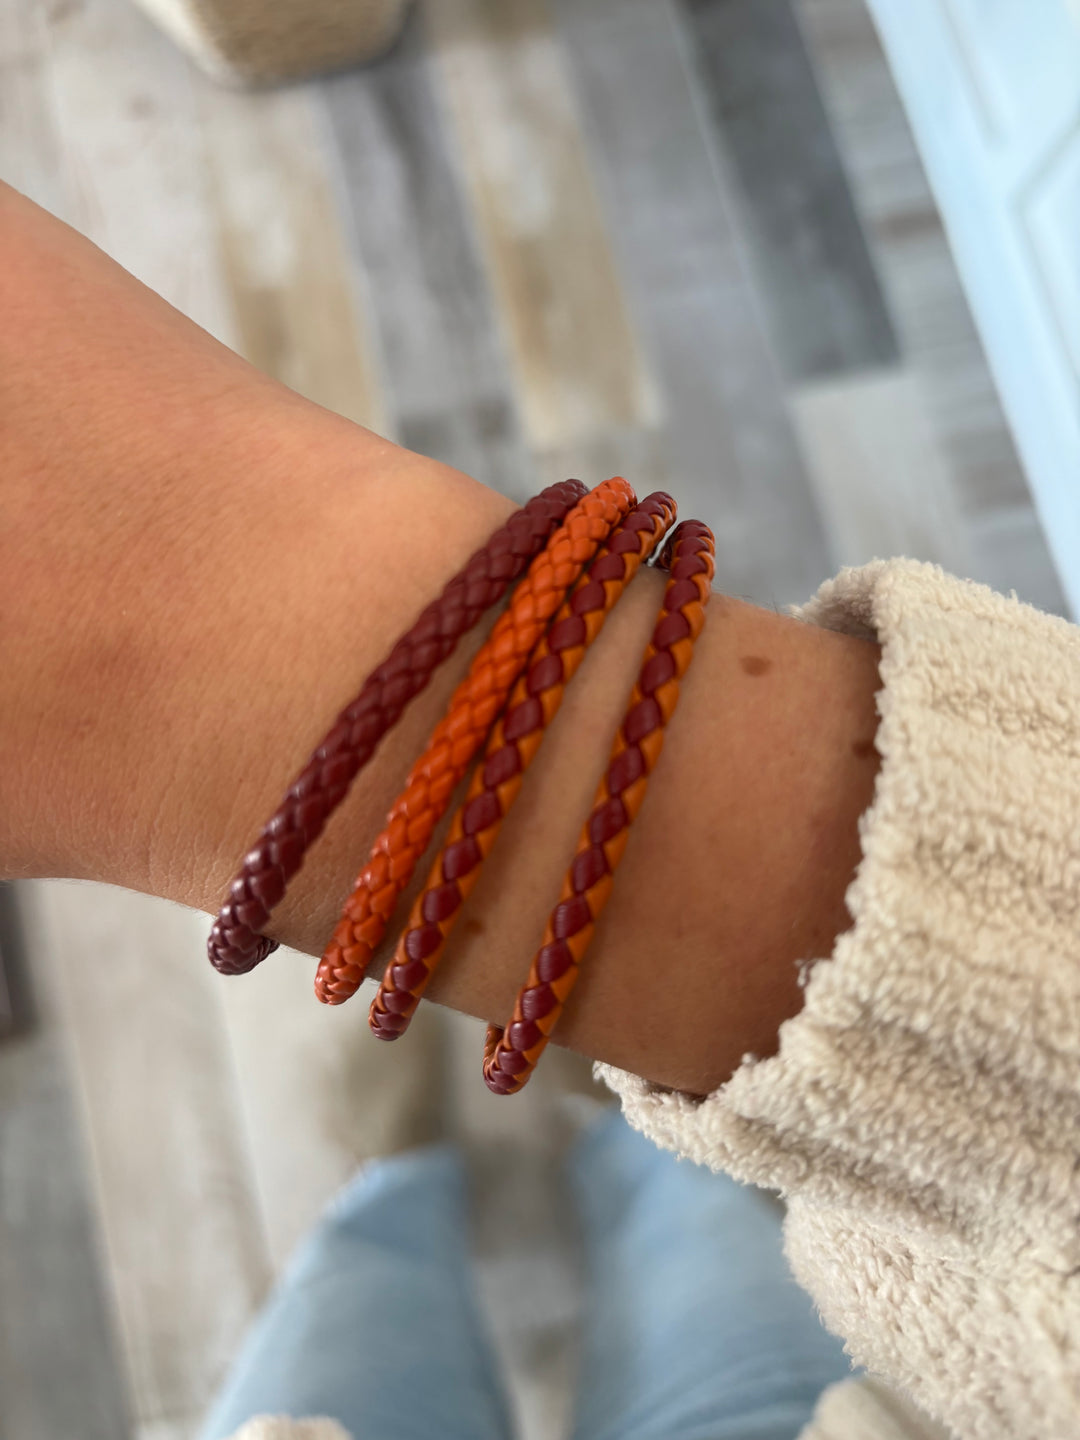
374	1321
694	1328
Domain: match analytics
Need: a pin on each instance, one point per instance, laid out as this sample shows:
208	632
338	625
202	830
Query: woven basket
252	42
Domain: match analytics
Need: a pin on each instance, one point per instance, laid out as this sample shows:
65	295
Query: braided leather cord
514	742
510	1054
473	709
235	946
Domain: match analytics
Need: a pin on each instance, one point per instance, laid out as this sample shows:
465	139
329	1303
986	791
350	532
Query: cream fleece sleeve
922	1116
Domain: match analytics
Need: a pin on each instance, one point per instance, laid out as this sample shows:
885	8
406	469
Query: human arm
197	568
193	577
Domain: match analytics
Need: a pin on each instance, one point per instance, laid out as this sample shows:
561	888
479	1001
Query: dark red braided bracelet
570	525
514	742
473	709
511	1054
235	945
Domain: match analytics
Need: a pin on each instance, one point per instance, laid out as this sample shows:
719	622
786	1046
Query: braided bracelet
474	706
510	1054
514	742
235	946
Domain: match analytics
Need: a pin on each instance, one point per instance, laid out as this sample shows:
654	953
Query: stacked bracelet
473	709
512	692
514	742
510	1054
235	946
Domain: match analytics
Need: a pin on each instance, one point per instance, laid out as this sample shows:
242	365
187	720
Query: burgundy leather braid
235	944
511	1052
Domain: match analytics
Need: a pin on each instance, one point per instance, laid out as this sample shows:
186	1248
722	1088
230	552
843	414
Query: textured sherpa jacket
922	1115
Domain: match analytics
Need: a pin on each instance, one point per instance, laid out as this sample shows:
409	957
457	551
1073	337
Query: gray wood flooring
406	215
811	257
685	240
59	1374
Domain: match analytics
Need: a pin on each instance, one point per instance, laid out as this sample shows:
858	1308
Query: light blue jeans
694	1328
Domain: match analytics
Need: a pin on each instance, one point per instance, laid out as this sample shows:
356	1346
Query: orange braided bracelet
474	706
510	1055
511	748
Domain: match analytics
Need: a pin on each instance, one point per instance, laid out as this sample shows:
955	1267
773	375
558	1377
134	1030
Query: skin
197	570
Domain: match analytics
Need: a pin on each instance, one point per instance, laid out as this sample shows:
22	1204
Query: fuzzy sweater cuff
922	1116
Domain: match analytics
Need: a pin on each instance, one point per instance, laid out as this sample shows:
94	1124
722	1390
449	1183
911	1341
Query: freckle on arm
755	664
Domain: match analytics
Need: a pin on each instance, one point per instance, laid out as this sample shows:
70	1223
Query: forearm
198	569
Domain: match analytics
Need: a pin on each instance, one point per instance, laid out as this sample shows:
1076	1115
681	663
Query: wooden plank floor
403	206
59	1371
725	437
813	265
686	240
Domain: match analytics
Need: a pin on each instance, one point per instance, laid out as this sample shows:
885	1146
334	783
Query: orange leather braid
510	1055
514	742
236	944
473	709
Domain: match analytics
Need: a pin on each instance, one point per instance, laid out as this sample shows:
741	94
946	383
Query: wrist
307	568
198	568
736	870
